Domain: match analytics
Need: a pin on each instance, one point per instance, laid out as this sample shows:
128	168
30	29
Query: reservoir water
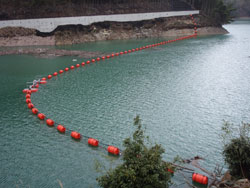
183	93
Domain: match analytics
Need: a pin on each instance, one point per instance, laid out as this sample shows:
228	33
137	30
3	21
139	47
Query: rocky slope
73	34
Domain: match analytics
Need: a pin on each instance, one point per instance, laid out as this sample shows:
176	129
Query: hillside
26	9
242	7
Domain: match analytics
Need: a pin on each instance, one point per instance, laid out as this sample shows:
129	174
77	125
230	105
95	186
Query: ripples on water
182	92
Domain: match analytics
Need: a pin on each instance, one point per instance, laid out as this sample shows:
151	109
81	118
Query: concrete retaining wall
49	24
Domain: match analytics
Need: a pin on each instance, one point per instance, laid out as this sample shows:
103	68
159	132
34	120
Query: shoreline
76	34
242	18
33	40
44	52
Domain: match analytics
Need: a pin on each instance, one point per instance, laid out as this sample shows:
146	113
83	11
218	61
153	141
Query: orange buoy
34	110
25	90
140	48
30	105
77	65
137	49
121	53
129	51
112	55
125	52
83	63
93	60
117	54
169	170
28	101
93	142
143	47
27	96
55	74
50	122
88	62
60	71
75	135
200	178
108	56
49	76
66	69
33	90
41	116
72	67
103	57
113	150
98	59
43	82
133	50
43	79
61	129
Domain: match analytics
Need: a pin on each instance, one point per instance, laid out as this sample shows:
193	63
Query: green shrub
237	150
142	166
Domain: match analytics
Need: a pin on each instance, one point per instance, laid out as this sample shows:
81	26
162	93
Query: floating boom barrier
76	135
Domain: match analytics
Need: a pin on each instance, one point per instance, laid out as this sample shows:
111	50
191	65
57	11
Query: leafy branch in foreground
237	149
142	165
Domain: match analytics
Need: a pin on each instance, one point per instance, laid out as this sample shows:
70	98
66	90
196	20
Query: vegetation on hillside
217	11
242	7
23	9
222	13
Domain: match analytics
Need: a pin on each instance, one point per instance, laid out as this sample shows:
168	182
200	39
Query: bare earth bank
74	34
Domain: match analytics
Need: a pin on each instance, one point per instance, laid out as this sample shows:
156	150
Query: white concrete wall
49	24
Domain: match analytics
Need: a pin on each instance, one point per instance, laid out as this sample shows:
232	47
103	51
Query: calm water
182	92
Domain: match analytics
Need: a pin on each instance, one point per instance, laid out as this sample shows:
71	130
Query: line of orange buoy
62	129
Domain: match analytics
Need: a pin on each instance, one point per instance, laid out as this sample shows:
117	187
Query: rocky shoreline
75	34
47	52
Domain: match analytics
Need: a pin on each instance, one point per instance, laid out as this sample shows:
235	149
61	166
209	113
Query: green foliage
242	7
223	13
142	166
237	149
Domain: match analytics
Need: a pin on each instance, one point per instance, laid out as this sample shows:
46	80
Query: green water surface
182	91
